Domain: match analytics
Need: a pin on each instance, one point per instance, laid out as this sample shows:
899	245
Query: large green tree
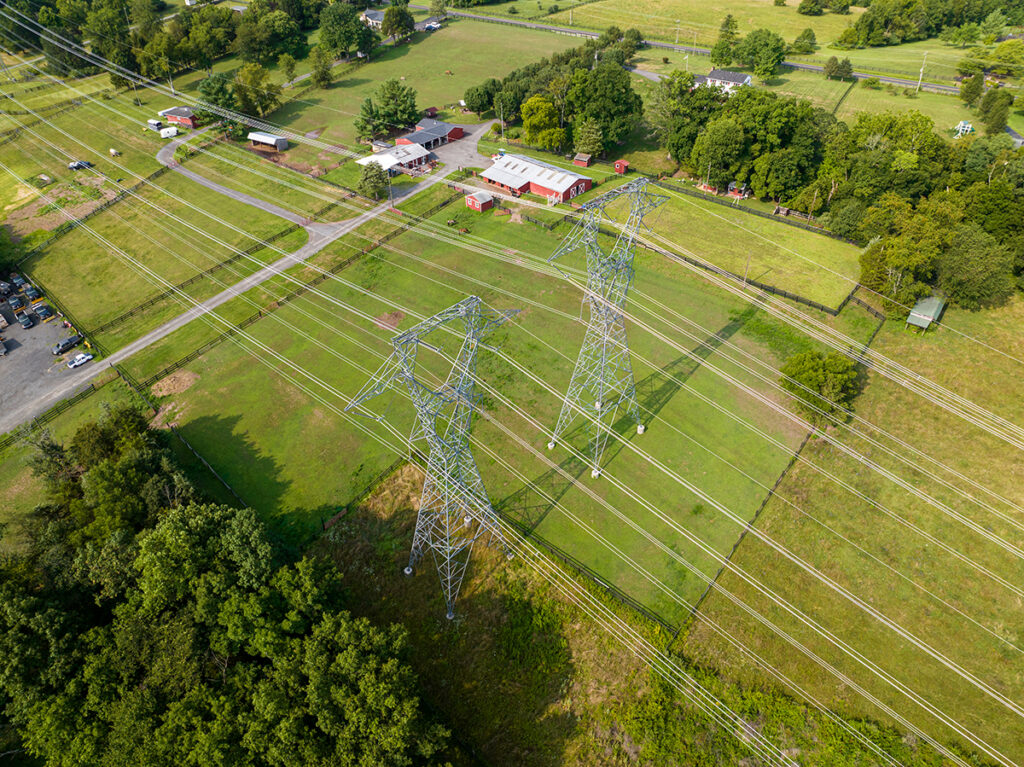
716	152
398	22
606	95
255	94
822	384
762	50
339	28
976	271
540	123
392	107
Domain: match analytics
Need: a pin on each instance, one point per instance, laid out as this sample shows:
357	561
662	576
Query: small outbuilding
169	132
621	166
926	311
583	160
267	142
430	112
398	158
479	201
738	190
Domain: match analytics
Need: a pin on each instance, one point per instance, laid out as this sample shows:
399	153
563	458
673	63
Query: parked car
3	348
432	26
78	360
79	165
68	343
26	320
16	302
32	292
19	281
45	312
6	288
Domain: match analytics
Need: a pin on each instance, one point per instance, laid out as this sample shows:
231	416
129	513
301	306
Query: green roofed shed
926	311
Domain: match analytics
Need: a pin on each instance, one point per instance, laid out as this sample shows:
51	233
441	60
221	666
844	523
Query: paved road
320	236
685	49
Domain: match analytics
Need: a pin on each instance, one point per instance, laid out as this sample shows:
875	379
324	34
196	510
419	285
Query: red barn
582	160
480	201
431	133
518	175
180	116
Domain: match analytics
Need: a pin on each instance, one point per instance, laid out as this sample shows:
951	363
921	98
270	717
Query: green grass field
97	285
416	275
425	65
659	19
903	60
989	650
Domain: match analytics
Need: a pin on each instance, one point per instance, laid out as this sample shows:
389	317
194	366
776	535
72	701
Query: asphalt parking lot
29	370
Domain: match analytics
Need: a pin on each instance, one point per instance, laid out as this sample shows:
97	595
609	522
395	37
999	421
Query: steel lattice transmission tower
454	508
602	380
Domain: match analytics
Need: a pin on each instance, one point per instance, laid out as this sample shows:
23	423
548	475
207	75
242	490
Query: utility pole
570	17
677	31
454	508
920	77
602	378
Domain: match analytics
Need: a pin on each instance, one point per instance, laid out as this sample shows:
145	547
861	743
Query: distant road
686	49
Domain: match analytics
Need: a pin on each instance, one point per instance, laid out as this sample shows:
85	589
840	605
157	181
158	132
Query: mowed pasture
280	439
162	241
235	166
659	19
951	603
440	66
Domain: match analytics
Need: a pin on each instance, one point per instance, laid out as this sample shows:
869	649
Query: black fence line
843	97
575	565
747	527
69	226
59	105
63	312
254	248
16	131
44	418
135	386
178	364
752	211
870	309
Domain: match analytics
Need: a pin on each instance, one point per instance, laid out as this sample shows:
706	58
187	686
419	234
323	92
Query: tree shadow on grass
495	673
528	506
237	460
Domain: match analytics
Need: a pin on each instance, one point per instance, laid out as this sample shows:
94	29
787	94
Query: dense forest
143	626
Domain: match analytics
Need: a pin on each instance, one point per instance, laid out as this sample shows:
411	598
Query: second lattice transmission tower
454	508
602	379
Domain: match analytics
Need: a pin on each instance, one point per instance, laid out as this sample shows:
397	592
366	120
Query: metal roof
265	138
482	196
728	76
926	311
516	171
396	155
373	15
176	111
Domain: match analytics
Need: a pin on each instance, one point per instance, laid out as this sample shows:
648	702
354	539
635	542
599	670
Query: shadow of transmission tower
527	507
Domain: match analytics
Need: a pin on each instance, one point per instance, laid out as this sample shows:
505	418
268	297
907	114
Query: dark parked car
19	281
16	302
6	288
26	320
44	312
68	343
32	292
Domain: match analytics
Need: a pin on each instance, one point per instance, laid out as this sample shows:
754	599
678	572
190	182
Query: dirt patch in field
389	321
62	203
315	133
175	383
168	415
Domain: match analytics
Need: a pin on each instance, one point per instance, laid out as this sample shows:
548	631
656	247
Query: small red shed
621	166
583	160
430	112
479	201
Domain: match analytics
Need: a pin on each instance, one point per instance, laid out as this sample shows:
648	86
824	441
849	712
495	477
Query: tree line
141	624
